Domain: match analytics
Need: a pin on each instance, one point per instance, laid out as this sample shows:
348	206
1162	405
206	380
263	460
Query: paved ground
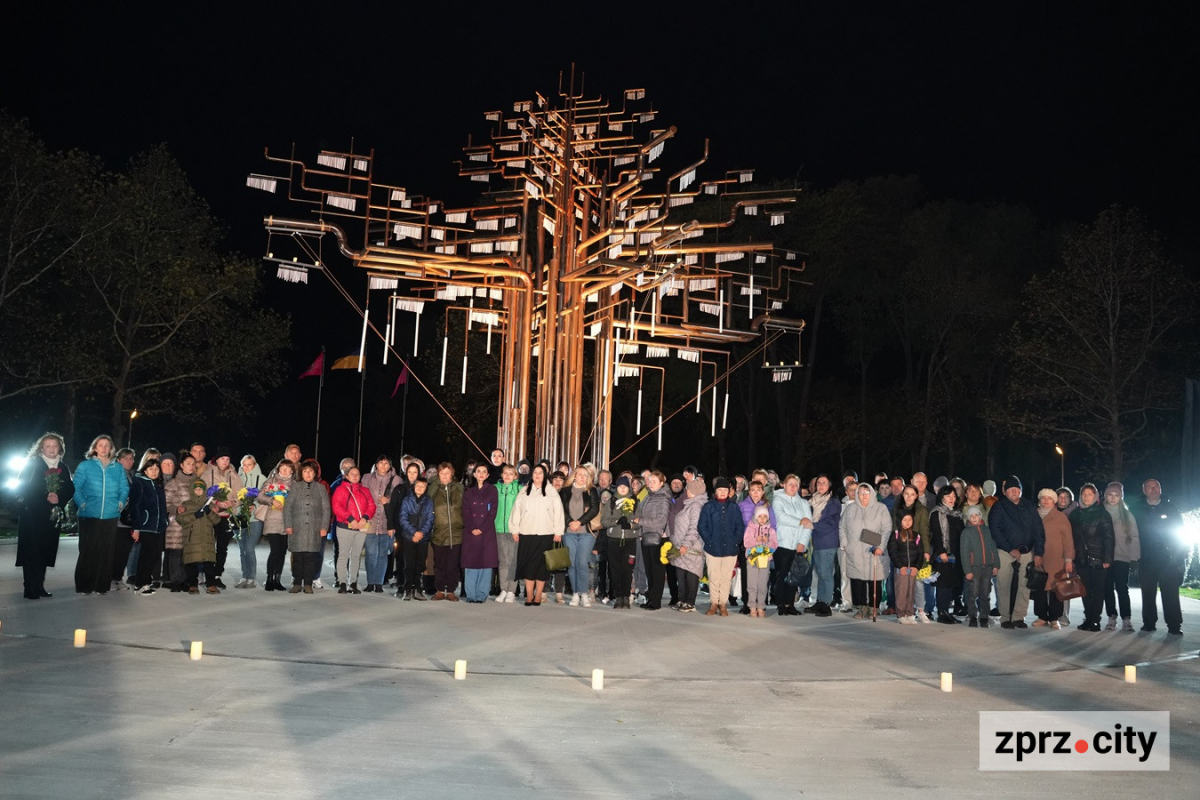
313	696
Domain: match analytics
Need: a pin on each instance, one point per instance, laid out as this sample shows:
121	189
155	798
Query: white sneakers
923	617
317	584
510	597
575	599
501	597
906	620
585	601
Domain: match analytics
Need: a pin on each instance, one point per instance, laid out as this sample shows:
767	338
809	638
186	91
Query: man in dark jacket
1164	554
1020	538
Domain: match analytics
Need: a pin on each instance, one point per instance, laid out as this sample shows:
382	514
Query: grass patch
1188	591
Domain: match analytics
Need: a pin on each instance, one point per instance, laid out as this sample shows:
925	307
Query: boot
354	588
296	588
725	611
712	610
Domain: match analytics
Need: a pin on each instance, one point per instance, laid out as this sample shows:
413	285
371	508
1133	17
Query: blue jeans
930	597
134	554
249	541
476	583
579	545
379	546
823	564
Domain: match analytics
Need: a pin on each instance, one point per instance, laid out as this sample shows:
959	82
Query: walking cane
874	589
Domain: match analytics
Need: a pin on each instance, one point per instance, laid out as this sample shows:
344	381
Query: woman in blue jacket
101	490
148	504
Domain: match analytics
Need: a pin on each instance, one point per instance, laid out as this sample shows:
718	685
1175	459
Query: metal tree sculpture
577	239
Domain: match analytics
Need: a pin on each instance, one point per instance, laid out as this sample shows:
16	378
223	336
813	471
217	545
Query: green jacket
447	513
507	498
199	540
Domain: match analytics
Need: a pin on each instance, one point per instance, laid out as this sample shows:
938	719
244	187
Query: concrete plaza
325	695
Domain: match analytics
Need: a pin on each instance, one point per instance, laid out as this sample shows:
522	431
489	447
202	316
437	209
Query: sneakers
1127	625
419	595
500	598
317	584
242	584
1112	624
574	600
906	620
685	607
511	598
147	589
923	618
585	601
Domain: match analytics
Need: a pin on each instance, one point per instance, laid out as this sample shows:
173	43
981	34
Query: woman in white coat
537	522
866	565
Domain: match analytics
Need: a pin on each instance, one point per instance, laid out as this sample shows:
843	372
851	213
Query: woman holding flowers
45	489
269	513
249	526
177	491
653	516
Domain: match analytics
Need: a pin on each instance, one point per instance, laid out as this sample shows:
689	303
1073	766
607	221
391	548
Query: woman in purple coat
479	553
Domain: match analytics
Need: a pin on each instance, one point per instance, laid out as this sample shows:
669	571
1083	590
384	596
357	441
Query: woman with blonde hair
581	504
101	491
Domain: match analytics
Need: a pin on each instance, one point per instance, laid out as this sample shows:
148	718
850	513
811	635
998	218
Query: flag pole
403	417
320	390
362	384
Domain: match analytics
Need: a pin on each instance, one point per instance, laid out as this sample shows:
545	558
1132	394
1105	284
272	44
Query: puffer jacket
100	492
306	513
447	513
748	507
861	562
977	550
199	540
1017	526
415	514
380	486
506	499
654	514
537	514
789	510
352	502
271	518
686	533
148	506
177	491
721	528
610	519
1092	530
906	554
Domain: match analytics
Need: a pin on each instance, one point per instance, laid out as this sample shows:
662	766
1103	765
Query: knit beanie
973	511
1013	482
695	487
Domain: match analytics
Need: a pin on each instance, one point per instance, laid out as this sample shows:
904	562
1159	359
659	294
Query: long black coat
949	574
37	535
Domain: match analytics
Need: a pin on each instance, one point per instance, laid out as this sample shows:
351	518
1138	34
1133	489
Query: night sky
1066	108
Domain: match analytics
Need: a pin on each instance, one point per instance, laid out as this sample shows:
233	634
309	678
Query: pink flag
400	381
316	369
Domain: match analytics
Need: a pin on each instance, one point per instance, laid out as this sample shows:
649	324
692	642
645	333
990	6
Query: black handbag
801	568
1035	578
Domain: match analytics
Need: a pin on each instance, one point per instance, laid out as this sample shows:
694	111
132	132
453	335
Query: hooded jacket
100	492
977	550
789	511
380	486
447	512
148	505
415	514
196	523
615	524
686	533
861	563
721	527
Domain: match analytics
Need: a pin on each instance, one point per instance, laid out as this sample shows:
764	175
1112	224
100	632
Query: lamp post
132	417
1062	465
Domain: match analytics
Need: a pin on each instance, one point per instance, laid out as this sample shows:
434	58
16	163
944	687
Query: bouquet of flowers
277	492
54	486
218	496
926	574
626	505
759	556
245	498
668	552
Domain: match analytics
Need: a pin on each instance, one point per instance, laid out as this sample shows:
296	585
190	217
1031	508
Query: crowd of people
946	552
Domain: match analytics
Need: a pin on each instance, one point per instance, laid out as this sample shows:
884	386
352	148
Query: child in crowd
979	562
759	534
907	555
199	539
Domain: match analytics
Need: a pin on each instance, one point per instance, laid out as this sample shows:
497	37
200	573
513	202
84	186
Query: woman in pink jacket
353	507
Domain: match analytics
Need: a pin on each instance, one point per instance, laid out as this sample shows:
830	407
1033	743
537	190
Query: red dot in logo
1081	746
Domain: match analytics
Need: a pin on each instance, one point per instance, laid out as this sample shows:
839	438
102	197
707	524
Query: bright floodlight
12	484
16	463
1189	531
